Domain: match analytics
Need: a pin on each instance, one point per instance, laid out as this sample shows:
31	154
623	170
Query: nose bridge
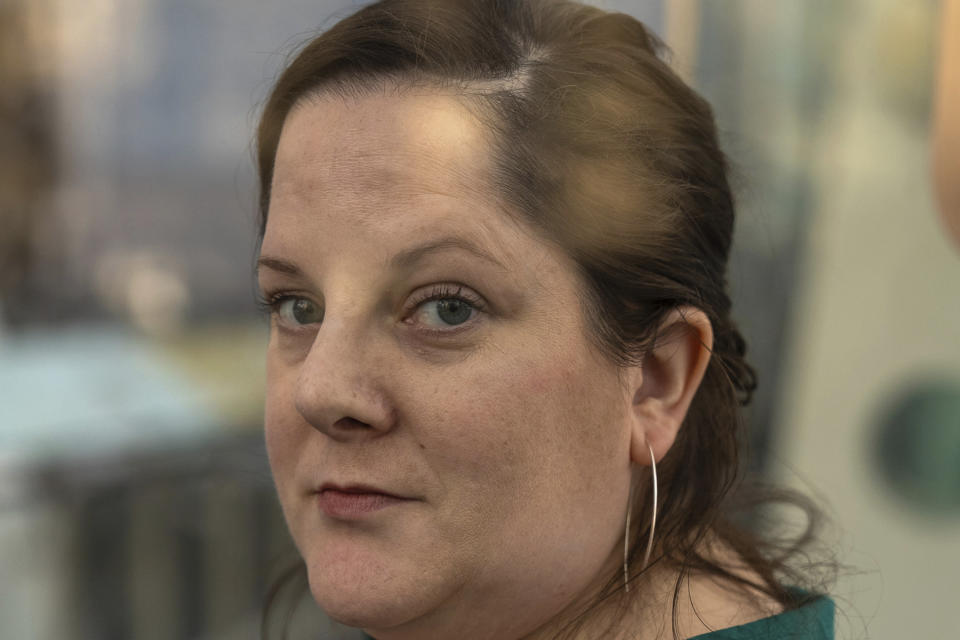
339	388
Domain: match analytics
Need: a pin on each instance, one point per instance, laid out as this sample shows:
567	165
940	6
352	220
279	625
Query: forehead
389	166
409	144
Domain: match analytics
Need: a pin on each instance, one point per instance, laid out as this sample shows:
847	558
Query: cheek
543	423
527	443
282	434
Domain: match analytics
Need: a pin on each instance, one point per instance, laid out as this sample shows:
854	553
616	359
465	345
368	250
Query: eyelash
269	304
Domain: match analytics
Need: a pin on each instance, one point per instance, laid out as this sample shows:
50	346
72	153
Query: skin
514	441
946	121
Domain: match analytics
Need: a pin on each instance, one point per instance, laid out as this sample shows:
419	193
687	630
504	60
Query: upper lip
355	488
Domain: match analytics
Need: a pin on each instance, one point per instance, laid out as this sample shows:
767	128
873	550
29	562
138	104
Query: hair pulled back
600	147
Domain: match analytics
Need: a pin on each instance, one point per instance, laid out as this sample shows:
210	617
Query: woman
503	381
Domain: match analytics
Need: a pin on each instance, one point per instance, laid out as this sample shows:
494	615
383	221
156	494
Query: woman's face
448	448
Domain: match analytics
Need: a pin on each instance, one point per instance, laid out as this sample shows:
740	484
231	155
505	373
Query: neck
647	612
705	603
642	614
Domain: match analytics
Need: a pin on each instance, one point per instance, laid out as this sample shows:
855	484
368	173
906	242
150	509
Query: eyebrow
276	264
403	260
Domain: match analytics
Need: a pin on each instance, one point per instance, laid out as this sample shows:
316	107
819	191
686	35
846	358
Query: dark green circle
917	446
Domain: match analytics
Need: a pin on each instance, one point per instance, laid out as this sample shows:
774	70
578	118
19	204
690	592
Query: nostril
350	423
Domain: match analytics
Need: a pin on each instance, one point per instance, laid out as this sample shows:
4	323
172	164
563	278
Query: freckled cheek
564	412
282	433
500	421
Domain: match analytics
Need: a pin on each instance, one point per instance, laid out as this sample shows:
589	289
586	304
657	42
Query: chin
362	614
368	593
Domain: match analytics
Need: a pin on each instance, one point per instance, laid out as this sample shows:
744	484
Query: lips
355	488
354	501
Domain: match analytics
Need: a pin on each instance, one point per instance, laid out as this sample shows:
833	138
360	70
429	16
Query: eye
450	311
446	308
296	311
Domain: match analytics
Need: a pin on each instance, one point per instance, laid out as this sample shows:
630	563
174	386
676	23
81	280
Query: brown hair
601	147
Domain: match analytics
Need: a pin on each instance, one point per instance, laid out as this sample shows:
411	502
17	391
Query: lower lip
344	506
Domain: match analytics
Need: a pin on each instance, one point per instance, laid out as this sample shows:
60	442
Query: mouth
354	501
355	489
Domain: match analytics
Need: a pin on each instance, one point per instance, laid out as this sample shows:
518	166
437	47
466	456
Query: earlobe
669	378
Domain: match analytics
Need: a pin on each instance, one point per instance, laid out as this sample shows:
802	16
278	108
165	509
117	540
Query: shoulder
716	608
811	620
707	603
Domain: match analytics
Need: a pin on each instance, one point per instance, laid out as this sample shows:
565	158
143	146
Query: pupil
453	311
303	311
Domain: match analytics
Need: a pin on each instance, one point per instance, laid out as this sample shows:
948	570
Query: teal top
811	621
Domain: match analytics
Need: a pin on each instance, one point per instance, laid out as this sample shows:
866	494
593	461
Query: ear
664	384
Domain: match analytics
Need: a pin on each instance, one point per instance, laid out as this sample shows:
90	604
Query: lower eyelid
295	335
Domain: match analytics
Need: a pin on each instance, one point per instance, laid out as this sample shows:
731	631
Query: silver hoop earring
653	524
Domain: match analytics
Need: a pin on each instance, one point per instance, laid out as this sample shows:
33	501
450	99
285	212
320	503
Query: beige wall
879	306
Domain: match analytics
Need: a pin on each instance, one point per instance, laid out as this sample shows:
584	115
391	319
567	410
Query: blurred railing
177	543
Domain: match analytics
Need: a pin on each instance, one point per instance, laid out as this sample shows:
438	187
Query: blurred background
135	498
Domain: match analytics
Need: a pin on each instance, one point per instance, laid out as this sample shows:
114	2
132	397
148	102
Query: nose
339	387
